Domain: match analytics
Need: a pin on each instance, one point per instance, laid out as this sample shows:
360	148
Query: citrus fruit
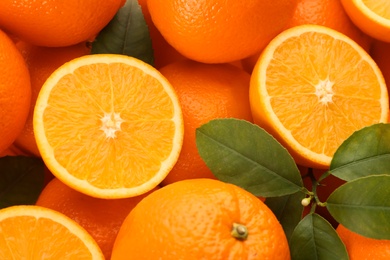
201	219
41	62
371	16
329	13
312	88
56	23
101	218
215	31
363	248
108	125
380	52
15	92
205	92
33	232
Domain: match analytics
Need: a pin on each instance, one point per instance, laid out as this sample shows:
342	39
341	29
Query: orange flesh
381	8
321	112
108	126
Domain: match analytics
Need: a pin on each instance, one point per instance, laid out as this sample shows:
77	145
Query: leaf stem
315	184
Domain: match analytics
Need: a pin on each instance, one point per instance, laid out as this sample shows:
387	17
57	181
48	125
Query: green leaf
127	33
242	153
363	206
315	238
21	180
288	210
365	152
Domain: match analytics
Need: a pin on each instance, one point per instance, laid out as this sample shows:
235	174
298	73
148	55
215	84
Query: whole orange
201	219
15	92
363	248
329	13
56	23
216	31
101	218
205	92
41	62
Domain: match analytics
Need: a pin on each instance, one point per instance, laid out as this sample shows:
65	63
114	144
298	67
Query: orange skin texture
205	92
220	31
55	23
329	13
193	219
15	92
101	218
363	248
41	62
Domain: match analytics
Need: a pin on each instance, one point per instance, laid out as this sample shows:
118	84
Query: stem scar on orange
312	87
108	125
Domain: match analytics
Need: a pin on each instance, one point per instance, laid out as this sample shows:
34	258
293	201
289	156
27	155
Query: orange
15	92
380	52
33	232
363	248
201	219
56	23
41	62
205	92
13	150
329	13
101	218
312	88
108	125
163	52
215	31
371	16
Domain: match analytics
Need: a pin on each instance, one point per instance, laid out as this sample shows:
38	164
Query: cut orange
108	125
371	16
312	87
34	232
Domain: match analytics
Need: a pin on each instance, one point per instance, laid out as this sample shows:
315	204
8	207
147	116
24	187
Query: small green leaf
288	210
363	206
21	180
365	152
242	153
127	33
315	238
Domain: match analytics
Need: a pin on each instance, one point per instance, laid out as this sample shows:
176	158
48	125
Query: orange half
108	125
34	232
371	16
312	87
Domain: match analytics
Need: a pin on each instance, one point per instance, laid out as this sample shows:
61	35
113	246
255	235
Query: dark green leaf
21	180
365	152
242	153
363	206
315	239
288	209
127	34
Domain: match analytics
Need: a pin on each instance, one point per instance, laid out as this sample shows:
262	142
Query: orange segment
312	88
34	232
371	16
109	126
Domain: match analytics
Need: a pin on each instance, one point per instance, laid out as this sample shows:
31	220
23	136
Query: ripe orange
380	52
163	52
56	23
329	13
13	150
205	92
371	16
101	218
33	232
108	125
363	248
15	92
215	31
312	88
201	219
41	62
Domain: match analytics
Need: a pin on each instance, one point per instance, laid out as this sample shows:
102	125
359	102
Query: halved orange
108	125
312	87
371	16
34	232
